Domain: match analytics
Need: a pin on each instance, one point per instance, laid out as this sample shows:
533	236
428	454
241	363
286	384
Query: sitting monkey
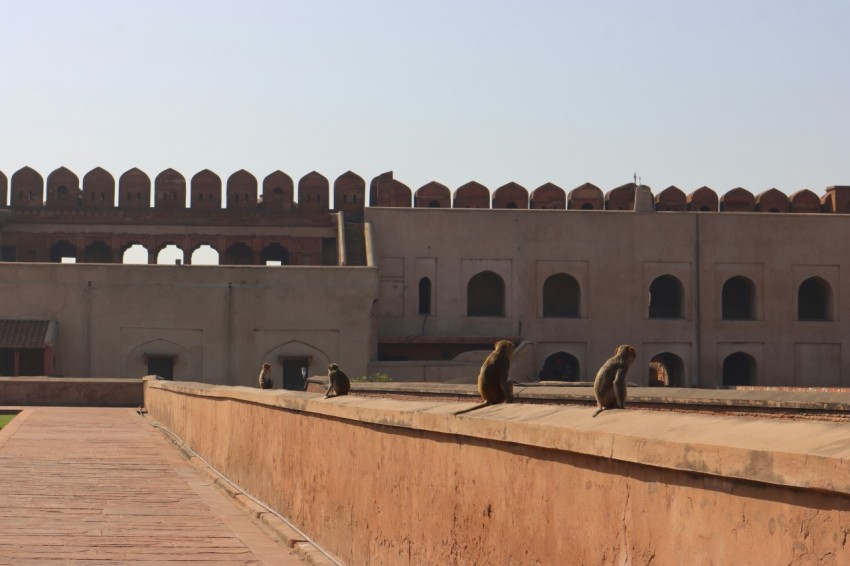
610	383
338	382
266	377
493	384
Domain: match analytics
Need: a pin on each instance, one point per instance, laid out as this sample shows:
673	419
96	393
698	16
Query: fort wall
27	189
379	481
215	323
617	264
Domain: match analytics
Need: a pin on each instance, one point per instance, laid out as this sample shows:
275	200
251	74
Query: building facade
738	289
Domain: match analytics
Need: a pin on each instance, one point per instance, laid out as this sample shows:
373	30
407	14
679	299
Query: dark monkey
338	382
610	383
493	377
265	377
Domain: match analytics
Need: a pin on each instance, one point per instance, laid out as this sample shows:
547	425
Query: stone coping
46	379
582	392
791	453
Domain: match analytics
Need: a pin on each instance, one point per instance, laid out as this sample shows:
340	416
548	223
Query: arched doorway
560	366
739	369
666	370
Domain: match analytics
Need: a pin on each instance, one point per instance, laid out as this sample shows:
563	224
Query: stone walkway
91	485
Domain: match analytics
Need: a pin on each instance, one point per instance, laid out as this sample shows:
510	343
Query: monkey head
626	353
504	347
333	367
267	366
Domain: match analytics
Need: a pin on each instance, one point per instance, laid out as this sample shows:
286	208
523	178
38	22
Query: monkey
338	382
493	384
265	376
610	383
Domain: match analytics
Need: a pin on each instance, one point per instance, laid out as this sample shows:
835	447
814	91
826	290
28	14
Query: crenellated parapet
62	191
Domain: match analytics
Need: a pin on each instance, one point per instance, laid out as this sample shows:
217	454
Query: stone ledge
71	391
802	454
582	392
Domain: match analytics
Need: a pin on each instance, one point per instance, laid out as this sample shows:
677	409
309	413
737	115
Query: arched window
665	297
205	254
485	295
97	252
170	255
424	296
238	254
62	249
560	366
737	299
274	253
813	300
666	370
561	296
135	254
739	369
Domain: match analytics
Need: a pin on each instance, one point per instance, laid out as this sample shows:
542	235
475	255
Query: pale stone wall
615	256
221	322
380	481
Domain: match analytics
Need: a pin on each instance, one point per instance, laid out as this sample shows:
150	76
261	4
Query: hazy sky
724	94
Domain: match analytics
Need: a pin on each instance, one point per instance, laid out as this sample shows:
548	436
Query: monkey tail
599	410
479	406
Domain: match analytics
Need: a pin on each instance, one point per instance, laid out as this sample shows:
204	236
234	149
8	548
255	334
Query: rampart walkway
99	485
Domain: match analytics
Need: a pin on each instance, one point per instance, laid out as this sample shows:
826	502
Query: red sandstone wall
393	482
71	391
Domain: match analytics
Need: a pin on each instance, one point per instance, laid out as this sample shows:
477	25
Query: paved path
90	485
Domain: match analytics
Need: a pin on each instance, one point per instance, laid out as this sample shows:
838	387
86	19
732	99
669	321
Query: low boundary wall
71	391
379	481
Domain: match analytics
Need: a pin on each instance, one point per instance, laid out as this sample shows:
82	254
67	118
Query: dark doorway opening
424	296
665	297
62	249
813	299
7	362
739	369
22	362
295	373
485	295
561	296
738	299
163	366
666	370
274	253
560	366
